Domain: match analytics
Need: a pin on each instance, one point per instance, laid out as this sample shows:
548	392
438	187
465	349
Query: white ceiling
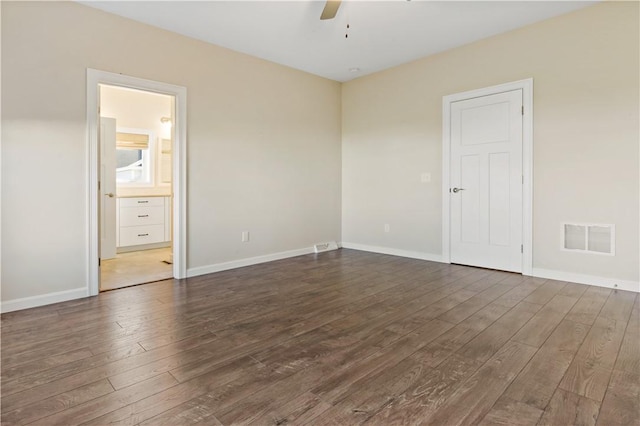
382	34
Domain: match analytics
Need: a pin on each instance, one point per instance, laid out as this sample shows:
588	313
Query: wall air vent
590	238
322	247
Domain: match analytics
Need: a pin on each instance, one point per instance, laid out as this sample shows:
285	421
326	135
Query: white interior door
107	188
486	181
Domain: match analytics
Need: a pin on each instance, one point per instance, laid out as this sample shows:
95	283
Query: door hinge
522	109
523	179
98	185
99	262
521	248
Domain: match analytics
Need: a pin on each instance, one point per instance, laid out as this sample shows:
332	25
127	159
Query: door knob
110	195
456	190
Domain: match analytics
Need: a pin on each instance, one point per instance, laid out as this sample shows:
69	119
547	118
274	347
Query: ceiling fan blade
330	9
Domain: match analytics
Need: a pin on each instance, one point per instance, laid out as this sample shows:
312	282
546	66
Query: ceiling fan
330	9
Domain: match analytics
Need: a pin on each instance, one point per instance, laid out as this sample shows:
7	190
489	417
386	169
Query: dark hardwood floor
340	338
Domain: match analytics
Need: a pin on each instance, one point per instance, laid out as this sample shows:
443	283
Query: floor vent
591	238
322	247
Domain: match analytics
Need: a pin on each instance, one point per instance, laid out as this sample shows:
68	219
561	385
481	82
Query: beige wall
263	143
586	137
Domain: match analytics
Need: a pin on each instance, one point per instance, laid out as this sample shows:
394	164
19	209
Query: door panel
486	167
470	205
107	200
499	207
485	124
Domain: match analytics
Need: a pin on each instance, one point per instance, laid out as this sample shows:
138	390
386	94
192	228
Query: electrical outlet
425	177
245	236
386	227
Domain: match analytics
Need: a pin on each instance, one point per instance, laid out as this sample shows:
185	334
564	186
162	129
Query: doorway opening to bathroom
137	205
136	146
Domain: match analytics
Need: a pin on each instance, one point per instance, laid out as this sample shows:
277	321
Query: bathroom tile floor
136	267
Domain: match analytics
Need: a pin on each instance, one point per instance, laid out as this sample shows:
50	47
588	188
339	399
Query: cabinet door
136	235
142	201
136	216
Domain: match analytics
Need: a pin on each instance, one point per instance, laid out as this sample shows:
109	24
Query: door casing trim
94	78
527	165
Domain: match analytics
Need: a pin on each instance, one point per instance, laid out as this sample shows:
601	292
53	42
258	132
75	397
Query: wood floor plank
155	368
567	408
517	294
472	305
619	305
26	369
485	317
342	337
589	305
621	405
601	345
90	410
539	379
259	342
63	331
449	342
507	412
228	386
561	303
585	379
545	292
245	373
56	373
629	354
57	403
445	304
589	373
200	397
334	387
487	343
477	395
70	382
370	394
427	393
265	335
540	327
264	401
304	409
573	290
41	314
189	413
19	358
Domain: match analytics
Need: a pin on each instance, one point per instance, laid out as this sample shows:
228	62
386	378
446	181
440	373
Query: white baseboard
587	279
536	272
394	252
77	293
45	299
217	267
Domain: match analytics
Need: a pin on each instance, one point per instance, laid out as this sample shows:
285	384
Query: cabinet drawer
135	235
147	215
142	201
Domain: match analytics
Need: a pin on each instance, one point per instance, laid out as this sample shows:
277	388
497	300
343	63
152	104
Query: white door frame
179	237
527	165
